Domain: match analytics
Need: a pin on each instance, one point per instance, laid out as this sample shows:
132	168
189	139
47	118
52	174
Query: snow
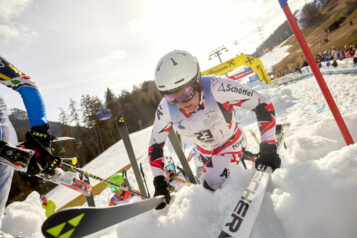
274	56
313	194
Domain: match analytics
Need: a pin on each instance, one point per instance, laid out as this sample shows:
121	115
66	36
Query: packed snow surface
313	194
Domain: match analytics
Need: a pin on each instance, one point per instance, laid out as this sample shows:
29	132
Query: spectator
352	50
341	55
327	56
355	55
334	53
318	58
348	52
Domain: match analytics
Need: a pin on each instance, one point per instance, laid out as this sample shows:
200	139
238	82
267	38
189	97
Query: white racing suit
16	80
214	127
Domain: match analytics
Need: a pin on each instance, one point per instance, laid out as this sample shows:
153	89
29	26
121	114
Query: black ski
79	222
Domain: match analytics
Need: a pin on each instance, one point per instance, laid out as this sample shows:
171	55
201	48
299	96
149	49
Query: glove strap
41	135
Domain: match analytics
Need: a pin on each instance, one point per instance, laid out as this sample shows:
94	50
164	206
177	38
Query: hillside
345	34
21	124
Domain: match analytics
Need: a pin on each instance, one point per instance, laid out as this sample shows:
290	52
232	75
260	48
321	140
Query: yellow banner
245	60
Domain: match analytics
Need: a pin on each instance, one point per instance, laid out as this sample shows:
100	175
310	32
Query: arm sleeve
160	132
31	96
230	93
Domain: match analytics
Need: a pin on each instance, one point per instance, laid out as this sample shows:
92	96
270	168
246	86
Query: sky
72	48
313	194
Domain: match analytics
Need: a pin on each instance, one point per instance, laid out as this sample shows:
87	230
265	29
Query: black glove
267	156
42	135
162	188
42	161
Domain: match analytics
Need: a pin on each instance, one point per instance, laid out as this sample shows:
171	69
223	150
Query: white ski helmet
177	70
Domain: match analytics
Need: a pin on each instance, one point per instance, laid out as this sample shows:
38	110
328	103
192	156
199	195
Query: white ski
241	220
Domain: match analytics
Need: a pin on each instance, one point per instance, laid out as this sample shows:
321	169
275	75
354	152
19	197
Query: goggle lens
169	167
183	96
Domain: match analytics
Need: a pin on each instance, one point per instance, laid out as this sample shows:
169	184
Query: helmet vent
179	81
158	68
173	62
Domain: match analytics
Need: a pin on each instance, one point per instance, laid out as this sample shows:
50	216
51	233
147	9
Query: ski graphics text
243	205
235	89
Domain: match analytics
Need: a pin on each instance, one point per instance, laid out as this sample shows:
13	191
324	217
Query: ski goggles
183	96
115	189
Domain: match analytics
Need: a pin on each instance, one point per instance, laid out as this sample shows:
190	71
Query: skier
170	168
120	196
23	84
175	178
202	109
48	205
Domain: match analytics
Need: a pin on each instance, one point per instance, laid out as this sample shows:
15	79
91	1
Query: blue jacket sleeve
31	96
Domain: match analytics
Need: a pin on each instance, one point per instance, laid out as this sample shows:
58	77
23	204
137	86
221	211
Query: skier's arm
230	93
31	96
35	107
160	132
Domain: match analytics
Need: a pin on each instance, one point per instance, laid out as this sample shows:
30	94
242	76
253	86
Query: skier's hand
42	135
268	156
42	161
162	188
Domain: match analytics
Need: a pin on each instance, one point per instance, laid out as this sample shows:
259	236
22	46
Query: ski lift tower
217	53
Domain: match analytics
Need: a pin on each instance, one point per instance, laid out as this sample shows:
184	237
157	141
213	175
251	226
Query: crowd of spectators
335	54
349	51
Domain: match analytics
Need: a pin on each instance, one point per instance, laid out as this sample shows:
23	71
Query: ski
240	222
80	186
79	222
19	157
63	138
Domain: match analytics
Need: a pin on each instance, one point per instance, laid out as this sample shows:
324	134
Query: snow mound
28	214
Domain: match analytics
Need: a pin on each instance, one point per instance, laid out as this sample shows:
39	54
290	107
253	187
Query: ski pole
67	166
126	179
254	135
142	173
180	180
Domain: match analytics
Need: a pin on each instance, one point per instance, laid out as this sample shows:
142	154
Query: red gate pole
315	69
